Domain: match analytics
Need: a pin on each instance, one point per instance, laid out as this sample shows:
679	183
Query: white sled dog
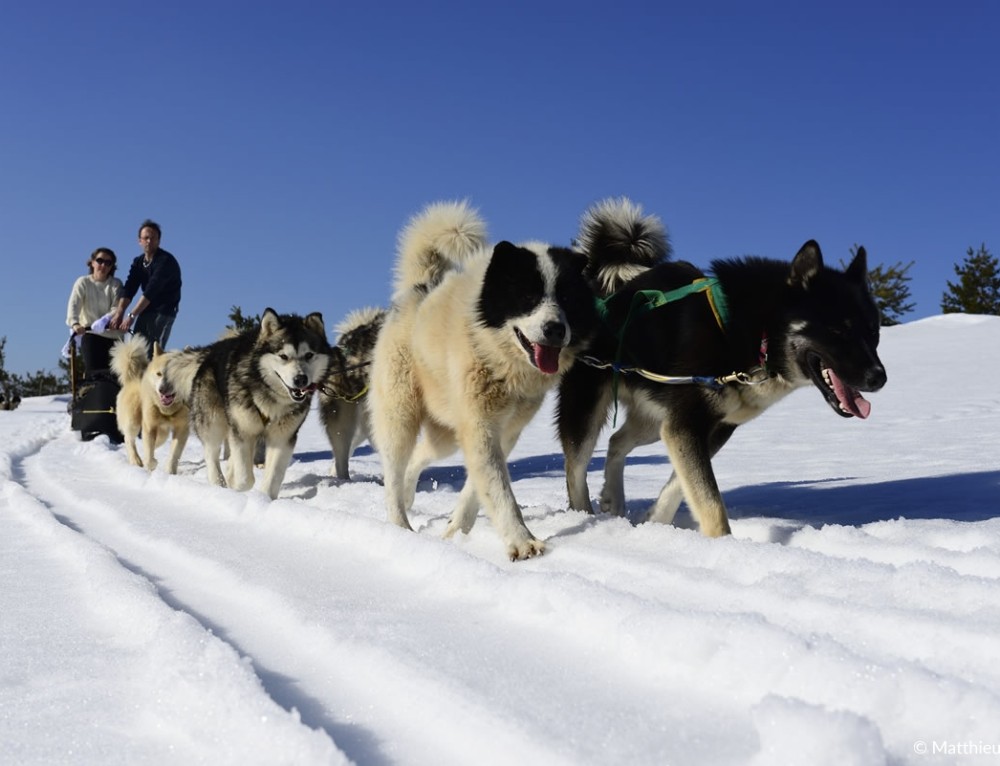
475	338
148	403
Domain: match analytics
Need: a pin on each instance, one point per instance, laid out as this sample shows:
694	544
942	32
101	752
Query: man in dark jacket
159	275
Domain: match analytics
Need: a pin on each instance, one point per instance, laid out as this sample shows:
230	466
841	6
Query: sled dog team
478	332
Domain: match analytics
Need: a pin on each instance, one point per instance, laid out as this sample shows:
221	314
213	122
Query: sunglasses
104	261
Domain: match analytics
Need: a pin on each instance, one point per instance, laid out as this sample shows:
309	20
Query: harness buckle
752	377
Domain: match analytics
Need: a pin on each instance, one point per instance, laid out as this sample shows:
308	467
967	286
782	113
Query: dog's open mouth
846	400
545	358
301	394
166	399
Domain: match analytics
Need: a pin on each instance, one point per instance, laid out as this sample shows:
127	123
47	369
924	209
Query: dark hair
103	251
148	224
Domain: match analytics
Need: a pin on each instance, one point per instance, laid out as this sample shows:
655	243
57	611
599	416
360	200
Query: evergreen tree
978	287
889	289
39	383
4	377
241	323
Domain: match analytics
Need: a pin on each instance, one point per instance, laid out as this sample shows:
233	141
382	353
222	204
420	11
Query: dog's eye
843	331
283	357
308	357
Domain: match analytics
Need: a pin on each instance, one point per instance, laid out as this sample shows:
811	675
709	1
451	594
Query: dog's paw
151	464
461	521
525	549
456	526
398	518
612	505
715	527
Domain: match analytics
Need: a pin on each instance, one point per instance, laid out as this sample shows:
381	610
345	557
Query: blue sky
281	146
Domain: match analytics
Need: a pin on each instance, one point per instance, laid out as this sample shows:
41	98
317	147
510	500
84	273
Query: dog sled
93	401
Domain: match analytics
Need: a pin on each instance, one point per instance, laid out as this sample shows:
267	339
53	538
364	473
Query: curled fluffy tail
129	359
369	316
436	240
620	243
182	368
356	336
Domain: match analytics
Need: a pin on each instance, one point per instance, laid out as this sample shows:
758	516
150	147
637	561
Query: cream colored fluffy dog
476	337
148	402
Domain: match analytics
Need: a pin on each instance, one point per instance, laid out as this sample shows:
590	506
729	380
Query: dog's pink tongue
850	397
546	358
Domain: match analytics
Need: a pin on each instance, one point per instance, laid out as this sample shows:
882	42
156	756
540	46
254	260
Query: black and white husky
692	366
475	338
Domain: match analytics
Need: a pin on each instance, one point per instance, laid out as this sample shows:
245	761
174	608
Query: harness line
647	300
331	393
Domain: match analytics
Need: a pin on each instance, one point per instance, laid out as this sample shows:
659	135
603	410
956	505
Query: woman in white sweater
93	296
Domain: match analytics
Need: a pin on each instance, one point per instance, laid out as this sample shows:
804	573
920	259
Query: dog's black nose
554	333
301	380
875	379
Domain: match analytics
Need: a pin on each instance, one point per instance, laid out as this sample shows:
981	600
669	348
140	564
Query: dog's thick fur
475	338
256	385
818	325
148	403
343	400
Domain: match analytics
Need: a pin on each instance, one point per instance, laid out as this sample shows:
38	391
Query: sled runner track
28	440
95	639
281	582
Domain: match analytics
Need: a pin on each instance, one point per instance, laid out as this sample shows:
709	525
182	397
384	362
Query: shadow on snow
956	497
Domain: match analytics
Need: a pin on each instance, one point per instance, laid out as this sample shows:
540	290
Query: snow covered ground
852	618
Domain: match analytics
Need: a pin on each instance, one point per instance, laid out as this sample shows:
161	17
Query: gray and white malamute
475	338
343	396
256	385
695	364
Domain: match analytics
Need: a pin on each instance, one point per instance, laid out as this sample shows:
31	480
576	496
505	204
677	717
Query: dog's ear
269	322
573	259
808	262
156	349
858	270
315	322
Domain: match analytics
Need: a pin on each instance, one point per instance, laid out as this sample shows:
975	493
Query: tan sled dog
148	402
476	337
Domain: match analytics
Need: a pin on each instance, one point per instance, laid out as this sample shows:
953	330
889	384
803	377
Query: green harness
648	300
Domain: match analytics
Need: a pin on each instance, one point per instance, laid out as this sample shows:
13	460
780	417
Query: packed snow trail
285	584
